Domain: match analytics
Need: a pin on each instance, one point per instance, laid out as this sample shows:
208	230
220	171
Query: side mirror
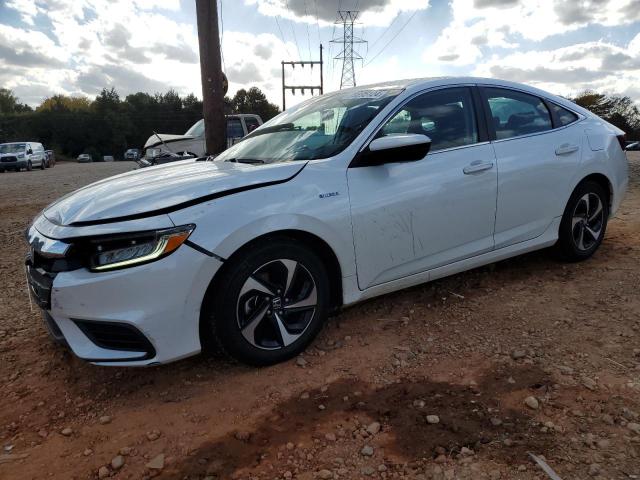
394	148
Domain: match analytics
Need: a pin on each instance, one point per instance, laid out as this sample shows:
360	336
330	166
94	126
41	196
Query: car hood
154	141
163	189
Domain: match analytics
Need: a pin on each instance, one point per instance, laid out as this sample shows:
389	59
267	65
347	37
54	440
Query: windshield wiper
251	161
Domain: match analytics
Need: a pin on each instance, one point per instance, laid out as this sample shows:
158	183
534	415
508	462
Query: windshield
319	128
197	129
12	147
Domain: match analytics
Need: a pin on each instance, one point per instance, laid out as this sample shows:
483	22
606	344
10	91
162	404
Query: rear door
537	157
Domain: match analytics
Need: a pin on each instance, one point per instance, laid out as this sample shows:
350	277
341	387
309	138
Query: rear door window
516	113
565	117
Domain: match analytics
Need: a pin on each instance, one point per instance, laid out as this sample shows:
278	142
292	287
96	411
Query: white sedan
345	197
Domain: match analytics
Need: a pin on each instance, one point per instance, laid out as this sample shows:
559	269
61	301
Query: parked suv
192	142
345	197
19	155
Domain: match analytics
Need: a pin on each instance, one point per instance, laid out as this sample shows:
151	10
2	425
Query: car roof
413	85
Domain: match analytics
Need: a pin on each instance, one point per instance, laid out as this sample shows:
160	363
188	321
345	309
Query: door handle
566	149
476	167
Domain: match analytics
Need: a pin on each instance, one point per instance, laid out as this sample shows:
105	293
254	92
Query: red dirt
575	326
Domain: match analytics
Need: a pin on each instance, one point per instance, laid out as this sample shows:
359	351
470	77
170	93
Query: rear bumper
137	316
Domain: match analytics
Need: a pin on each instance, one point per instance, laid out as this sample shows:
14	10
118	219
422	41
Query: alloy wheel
587	221
276	304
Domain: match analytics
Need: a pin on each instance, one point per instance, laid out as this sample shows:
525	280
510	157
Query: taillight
623	141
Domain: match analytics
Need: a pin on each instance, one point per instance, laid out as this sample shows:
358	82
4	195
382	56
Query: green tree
9	103
254	101
618	110
64	103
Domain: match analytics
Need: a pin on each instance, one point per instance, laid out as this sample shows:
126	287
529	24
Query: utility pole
347	18
302	88
215	129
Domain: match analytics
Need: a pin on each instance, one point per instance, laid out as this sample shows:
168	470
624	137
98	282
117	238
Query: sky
77	47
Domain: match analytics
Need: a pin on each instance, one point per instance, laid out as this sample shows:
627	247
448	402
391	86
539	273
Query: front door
411	217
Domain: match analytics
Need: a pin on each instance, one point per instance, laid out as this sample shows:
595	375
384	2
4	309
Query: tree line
110	125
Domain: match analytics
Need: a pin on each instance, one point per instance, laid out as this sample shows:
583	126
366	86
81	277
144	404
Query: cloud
263	51
324	12
539	19
245	72
182	53
28	48
124	79
568	70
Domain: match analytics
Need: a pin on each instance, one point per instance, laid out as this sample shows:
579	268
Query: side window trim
480	121
555	121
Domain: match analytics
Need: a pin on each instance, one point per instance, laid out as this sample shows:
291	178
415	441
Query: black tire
42	165
29	166
224	309
581	219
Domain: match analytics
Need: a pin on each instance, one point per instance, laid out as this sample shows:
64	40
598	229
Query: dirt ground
363	401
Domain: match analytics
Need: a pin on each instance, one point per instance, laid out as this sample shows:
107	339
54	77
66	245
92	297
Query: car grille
9	159
116	336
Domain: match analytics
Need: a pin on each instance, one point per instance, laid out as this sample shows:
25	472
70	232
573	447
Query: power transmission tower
213	80
347	18
302	88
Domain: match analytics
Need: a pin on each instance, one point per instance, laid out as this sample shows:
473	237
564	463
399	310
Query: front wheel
270	303
584	222
42	165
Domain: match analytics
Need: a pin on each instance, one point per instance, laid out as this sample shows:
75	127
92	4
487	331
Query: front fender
278	223
226	224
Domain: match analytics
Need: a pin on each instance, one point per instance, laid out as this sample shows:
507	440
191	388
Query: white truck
192	142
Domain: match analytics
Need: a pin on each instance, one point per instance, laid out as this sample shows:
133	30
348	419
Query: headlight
21	155
138	248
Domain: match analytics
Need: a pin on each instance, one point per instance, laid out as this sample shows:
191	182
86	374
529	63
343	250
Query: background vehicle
84	158
107	158
192	142
132	154
633	146
345	197
51	158
22	155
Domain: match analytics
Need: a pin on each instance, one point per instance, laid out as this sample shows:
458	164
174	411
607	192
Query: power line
282	36
293	31
385	30
315	6
392	38
306	14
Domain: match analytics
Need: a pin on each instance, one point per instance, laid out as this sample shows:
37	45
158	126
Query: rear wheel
584	222
269	304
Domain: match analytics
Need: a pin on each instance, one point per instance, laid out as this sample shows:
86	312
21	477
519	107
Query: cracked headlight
136	249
